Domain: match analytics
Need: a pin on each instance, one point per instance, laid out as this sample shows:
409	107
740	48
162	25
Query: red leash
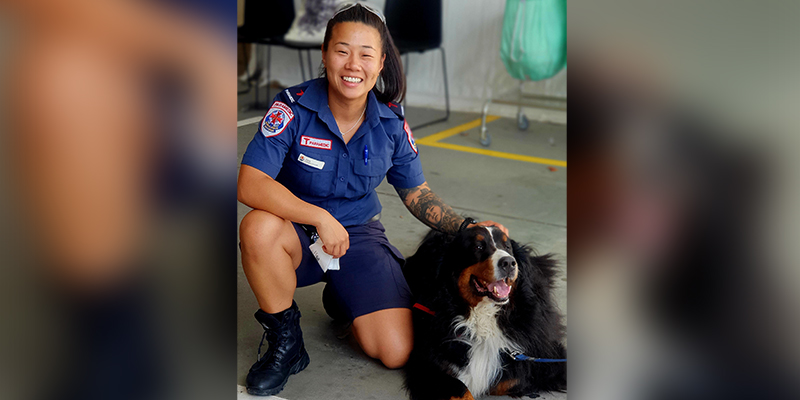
423	308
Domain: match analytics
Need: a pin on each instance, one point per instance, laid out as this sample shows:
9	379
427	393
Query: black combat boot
286	354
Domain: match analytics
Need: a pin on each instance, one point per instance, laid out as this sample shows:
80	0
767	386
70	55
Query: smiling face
353	60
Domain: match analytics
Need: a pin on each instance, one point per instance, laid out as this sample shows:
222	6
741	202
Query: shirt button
344	155
341	179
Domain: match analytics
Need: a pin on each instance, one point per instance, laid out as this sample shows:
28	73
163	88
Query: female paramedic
313	166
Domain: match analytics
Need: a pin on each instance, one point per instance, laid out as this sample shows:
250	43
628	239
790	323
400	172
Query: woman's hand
258	190
335	239
490	223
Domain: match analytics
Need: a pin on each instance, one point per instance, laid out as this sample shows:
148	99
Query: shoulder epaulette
295	92
397	109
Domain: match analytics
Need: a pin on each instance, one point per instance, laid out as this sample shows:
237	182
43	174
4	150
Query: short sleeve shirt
299	145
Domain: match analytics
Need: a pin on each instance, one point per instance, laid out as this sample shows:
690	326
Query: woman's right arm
259	191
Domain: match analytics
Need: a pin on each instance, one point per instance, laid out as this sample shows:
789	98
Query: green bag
534	42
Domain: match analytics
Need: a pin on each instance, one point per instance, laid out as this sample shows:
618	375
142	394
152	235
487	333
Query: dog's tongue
499	288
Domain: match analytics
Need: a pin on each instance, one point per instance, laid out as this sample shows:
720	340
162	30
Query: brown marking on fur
466	396
482	270
502	388
479	238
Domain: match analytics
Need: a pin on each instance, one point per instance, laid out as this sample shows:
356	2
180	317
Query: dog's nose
507	265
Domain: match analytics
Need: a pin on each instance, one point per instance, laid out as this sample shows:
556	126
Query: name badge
310	161
315	142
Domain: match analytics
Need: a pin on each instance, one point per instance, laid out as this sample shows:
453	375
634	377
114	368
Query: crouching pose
311	171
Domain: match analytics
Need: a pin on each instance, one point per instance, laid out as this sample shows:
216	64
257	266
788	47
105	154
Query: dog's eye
479	246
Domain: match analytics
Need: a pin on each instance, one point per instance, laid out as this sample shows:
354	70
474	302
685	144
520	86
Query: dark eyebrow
364	46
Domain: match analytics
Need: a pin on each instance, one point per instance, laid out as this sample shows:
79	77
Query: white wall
471	37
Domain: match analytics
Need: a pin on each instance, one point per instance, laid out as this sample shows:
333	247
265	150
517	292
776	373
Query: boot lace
273	357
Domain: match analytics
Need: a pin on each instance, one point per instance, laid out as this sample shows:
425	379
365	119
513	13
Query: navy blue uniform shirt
299	145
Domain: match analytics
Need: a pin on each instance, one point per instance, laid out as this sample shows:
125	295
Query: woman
321	150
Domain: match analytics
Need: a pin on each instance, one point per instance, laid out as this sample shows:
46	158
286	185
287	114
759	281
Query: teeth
494	289
351	79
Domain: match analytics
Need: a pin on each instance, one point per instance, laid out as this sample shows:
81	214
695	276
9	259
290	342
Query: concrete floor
528	198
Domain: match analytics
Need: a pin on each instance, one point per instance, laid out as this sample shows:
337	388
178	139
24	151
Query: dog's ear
422	270
520	251
434	247
533	265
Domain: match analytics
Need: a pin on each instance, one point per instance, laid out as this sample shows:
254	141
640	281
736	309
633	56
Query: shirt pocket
314	175
369	175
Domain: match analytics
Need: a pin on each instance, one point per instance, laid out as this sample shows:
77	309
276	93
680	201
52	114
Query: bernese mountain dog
484	319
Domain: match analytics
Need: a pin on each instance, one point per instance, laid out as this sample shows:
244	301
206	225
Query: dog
484	313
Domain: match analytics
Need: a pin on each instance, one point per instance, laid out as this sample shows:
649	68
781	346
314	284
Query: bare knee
392	354
389	342
395	356
260	230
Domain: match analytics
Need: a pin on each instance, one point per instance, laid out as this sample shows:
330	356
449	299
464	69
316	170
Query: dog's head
485	266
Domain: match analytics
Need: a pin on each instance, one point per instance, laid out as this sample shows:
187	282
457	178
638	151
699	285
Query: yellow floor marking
452	131
500	154
433	141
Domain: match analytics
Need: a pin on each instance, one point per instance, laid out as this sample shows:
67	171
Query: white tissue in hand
325	260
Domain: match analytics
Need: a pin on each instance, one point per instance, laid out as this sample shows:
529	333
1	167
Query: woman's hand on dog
490	223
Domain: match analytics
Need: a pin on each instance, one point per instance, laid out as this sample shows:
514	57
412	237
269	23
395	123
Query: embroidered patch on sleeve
410	136
277	118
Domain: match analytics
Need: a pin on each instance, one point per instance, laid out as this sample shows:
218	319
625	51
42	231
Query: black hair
391	84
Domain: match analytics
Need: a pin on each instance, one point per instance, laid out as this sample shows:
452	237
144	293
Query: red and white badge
315	142
277	118
410	136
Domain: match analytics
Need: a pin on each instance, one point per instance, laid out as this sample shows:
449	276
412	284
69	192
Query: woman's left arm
432	210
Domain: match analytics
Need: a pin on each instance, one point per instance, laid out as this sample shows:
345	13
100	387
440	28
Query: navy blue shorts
369	278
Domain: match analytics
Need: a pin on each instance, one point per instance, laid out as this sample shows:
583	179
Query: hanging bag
534	41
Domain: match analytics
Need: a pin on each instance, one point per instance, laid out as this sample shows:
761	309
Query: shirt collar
385	112
315	97
373	110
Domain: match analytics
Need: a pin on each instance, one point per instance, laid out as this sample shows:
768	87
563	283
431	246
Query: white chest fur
486	340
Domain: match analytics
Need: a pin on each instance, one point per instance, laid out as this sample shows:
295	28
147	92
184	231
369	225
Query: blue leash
517	356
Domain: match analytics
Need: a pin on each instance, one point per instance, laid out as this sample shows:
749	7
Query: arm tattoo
430	209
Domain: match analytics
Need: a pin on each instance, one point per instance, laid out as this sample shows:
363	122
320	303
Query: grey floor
528	198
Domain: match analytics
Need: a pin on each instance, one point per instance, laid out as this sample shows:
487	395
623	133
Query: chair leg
302	65
310	67
247	71
257	105
269	78
249	81
249	87
405	73
446	90
486	139
446	97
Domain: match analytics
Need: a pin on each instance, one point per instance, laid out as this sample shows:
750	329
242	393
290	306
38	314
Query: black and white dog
484	314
